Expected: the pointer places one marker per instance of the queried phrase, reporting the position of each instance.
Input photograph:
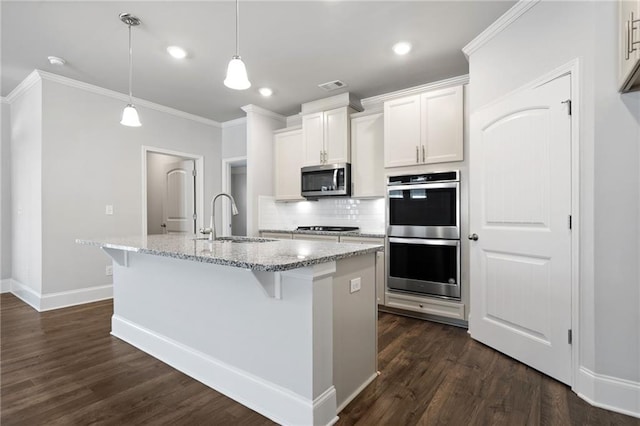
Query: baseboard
(63, 299)
(272, 401)
(357, 391)
(81, 296)
(610, 393)
(5, 285)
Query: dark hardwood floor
(64, 368)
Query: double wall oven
(423, 234)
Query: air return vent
(332, 85)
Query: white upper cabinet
(629, 51)
(326, 136)
(289, 153)
(424, 129)
(367, 162)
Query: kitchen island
(285, 327)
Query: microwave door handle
(335, 179)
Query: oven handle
(423, 186)
(454, 243)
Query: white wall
(538, 42)
(26, 189)
(5, 191)
(260, 126)
(234, 138)
(69, 140)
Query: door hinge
(194, 172)
(568, 102)
(570, 336)
(570, 222)
(195, 216)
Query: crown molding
(509, 17)
(236, 122)
(259, 110)
(375, 101)
(4, 100)
(24, 86)
(38, 75)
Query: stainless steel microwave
(328, 180)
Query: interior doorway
(234, 182)
(172, 192)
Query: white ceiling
(290, 46)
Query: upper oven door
(424, 210)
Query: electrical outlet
(108, 270)
(356, 284)
(108, 209)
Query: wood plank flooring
(63, 367)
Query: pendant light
(130, 114)
(236, 71)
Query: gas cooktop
(328, 228)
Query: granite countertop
(268, 255)
(363, 234)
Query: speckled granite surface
(270, 255)
(346, 234)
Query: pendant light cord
(237, 28)
(130, 66)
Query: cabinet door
(289, 153)
(336, 136)
(367, 160)
(442, 125)
(313, 138)
(629, 59)
(402, 131)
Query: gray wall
(538, 42)
(89, 161)
(234, 139)
(5, 191)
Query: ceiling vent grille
(332, 85)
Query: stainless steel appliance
(326, 180)
(423, 234)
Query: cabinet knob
(417, 154)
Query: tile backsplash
(367, 214)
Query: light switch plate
(356, 284)
(108, 209)
(108, 270)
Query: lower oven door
(425, 267)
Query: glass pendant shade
(237, 75)
(130, 116)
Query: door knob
(473, 237)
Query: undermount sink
(238, 239)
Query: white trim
(199, 159)
(5, 285)
(273, 401)
(265, 112)
(508, 18)
(24, 86)
(38, 75)
(4, 100)
(81, 296)
(236, 122)
(26, 294)
(374, 101)
(227, 163)
(610, 393)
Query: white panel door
(402, 132)
(520, 205)
(442, 129)
(336, 136)
(178, 203)
(313, 138)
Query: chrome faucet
(212, 226)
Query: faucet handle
(205, 231)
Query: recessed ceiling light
(265, 91)
(402, 48)
(177, 52)
(54, 60)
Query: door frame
(199, 165)
(227, 164)
(571, 68)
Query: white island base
(296, 346)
